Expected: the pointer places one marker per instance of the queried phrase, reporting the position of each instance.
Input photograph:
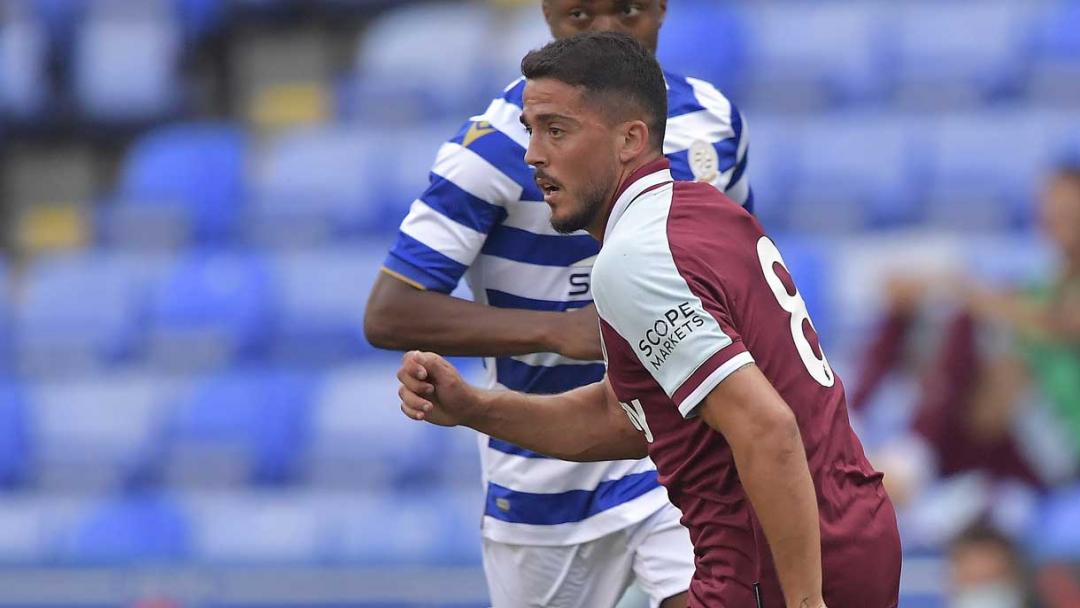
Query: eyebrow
(548, 117)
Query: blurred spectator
(986, 571)
(1002, 357)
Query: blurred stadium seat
(320, 299)
(212, 310)
(956, 53)
(259, 527)
(852, 173)
(722, 63)
(413, 527)
(135, 529)
(361, 438)
(194, 386)
(81, 310)
(316, 184)
(179, 183)
(16, 451)
(395, 77)
(126, 64)
(93, 434)
(984, 167)
(1055, 75)
(247, 427)
(24, 81)
(813, 55)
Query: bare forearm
(777, 479)
(400, 317)
(580, 425)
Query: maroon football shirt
(689, 289)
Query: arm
(585, 424)
(771, 461)
(400, 316)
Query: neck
(596, 230)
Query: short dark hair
(608, 65)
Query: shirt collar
(644, 178)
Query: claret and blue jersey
(483, 218)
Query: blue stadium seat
(360, 437)
(213, 309)
(1055, 534)
(239, 428)
(61, 19)
(24, 80)
(126, 66)
(320, 297)
(259, 528)
(813, 55)
(97, 433)
(32, 526)
(411, 154)
(82, 310)
(178, 183)
(136, 529)
(314, 184)
(396, 77)
(687, 25)
(852, 172)
(420, 526)
(201, 18)
(1055, 75)
(517, 31)
(16, 450)
(984, 169)
(959, 52)
(773, 140)
(7, 315)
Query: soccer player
(714, 368)
(556, 534)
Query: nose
(607, 23)
(533, 155)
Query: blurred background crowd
(196, 195)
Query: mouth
(547, 186)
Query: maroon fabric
(714, 245)
(946, 400)
(880, 358)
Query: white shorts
(656, 553)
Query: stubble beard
(593, 199)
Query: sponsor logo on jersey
(667, 332)
(476, 131)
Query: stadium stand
(190, 388)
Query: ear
(634, 140)
(661, 7)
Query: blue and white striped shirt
(483, 217)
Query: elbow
(778, 432)
(380, 328)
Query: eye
(632, 10)
(578, 14)
(555, 132)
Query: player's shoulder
(706, 224)
(687, 95)
(495, 135)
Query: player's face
(574, 151)
(1061, 215)
(639, 18)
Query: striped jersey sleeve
(707, 138)
(476, 174)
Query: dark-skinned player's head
(595, 106)
(639, 18)
(1060, 208)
